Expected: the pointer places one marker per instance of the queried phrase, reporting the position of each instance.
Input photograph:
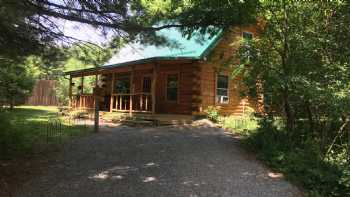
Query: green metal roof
(196, 47)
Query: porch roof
(195, 48)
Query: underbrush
(240, 125)
(302, 156)
(301, 160)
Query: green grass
(240, 125)
(114, 116)
(25, 127)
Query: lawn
(26, 127)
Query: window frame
(178, 87)
(217, 100)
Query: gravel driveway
(165, 161)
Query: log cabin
(185, 79)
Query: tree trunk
(288, 111)
(310, 117)
(12, 104)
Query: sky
(83, 32)
(80, 31)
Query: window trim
(178, 87)
(216, 89)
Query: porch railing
(137, 102)
(85, 101)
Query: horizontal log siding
(209, 69)
(185, 92)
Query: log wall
(186, 74)
(209, 69)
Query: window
(122, 85)
(247, 36)
(222, 89)
(147, 84)
(172, 87)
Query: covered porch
(123, 89)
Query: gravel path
(165, 161)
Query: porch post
(70, 91)
(96, 105)
(96, 80)
(82, 85)
(153, 94)
(81, 91)
(112, 91)
(131, 90)
(96, 84)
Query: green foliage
(302, 64)
(81, 56)
(212, 113)
(47, 65)
(18, 35)
(32, 27)
(300, 160)
(89, 54)
(240, 125)
(200, 15)
(16, 82)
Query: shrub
(300, 160)
(241, 124)
(212, 113)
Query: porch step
(147, 119)
(155, 121)
(166, 119)
(138, 122)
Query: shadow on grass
(26, 129)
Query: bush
(241, 124)
(212, 113)
(300, 160)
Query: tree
(297, 57)
(81, 56)
(301, 58)
(30, 26)
(16, 83)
